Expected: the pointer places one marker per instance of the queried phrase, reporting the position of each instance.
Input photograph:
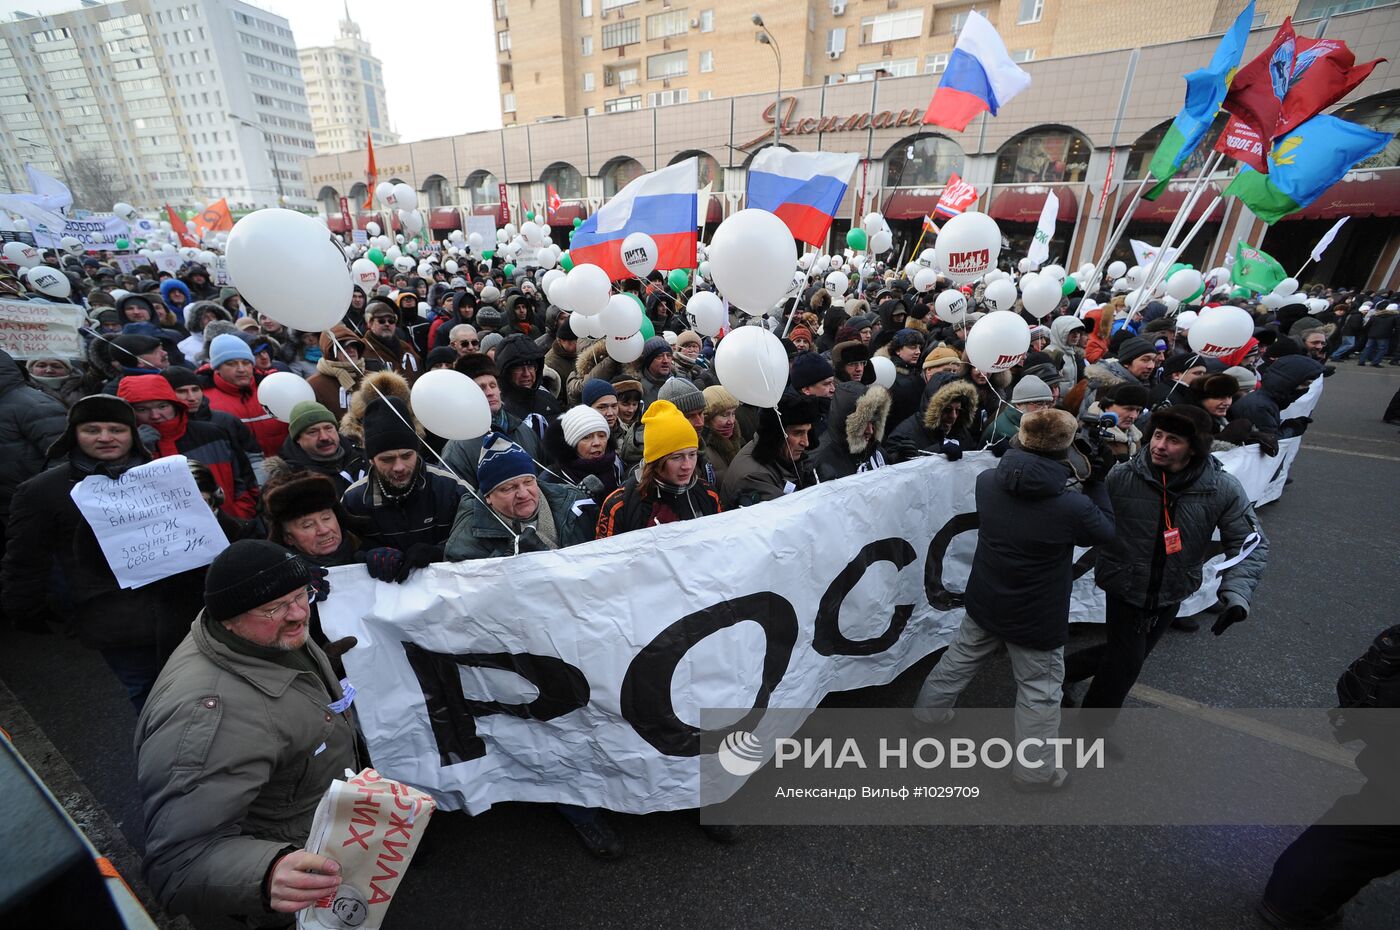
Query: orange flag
(371, 174)
(215, 218)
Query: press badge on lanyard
(1171, 536)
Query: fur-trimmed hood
(1107, 371)
(1001, 380)
(855, 406)
(352, 425)
(958, 389)
(594, 362)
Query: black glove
(338, 648)
(383, 563)
(418, 555)
(952, 449)
(1236, 432)
(1228, 617)
(1267, 442)
(320, 584)
(999, 447)
(530, 541)
(1299, 425)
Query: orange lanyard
(1166, 514)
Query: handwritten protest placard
(370, 825)
(151, 522)
(34, 329)
(218, 268)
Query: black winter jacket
(923, 431)
(517, 350)
(1282, 383)
(423, 514)
(853, 407)
(30, 421)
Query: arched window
(1045, 154)
(1147, 144)
(617, 174)
(710, 170)
(437, 191)
(1382, 113)
(924, 160)
(330, 200)
(482, 189)
(359, 193)
(566, 180)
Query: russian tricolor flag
(804, 189)
(661, 204)
(980, 77)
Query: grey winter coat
(30, 421)
(1202, 498)
(233, 754)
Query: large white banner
(95, 233)
(579, 675)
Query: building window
(1023, 54)
(586, 46)
(836, 41)
(707, 62)
(936, 64)
(707, 95)
(503, 40)
(707, 20)
(627, 32)
(621, 75)
(902, 67)
(587, 80)
(508, 103)
(585, 8)
(671, 64)
(1030, 12)
(607, 5)
(664, 98)
(500, 9)
(960, 20)
(922, 161)
(590, 111)
(507, 73)
(622, 104)
(905, 24)
(662, 25)
(1055, 156)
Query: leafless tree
(98, 183)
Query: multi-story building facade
(155, 101)
(345, 90)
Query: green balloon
(376, 256)
(857, 239)
(678, 279)
(509, 269)
(577, 222)
(530, 215)
(566, 261)
(1241, 292)
(1069, 287)
(123, 244)
(648, 330)
(488, 254)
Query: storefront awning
(445, 218)
(1165, 208)
(715, 214)
(565, 214)
(1023, 203)
(337, 223)
(912, 203)
(1361, 193)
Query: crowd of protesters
(1105, 430)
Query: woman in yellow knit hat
(670, 487)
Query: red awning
(364, 219)
(337, 223)
(1165, 208)
(566, 213)
(913, 203)
(1361, 193)
(444, 218)
(715, 214)
(1022, 204)
(485, 209)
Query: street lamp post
(272, 151)
(766, 37)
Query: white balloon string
(453, 472)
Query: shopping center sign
(858, 122)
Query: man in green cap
(314, 444)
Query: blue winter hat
(595, 388)
(501, 460)
(228, 348)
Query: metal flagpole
(1195, 229)
(1118, 230)
(1175, 229)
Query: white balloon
(926, 279)
(928, 258)
(1184, 283)
(950, 306)
(704, 269)
(1115, 270)
(838, 261)
(837, 282)
(456, 236)
(450, 404)
(967, 247)
(1025, 265)
(392, 253)
(1085, 270)
(384, 193)
(22, 254)
(1286, 287)
(708, 312)
(545, 259)
(125, 211)
(450, 266)
(585, 327)
(425, 269)
(1055, 271)
(626, 350)
(511, 230)
(372, 229)
(1134, 276)
(280, 391)
(1040, 295)
(752, 256)
(1271, 301)
(551, 277)
(621, 317)
(884, 371)
(403, 263)
(1221, 330)
(71, 244)
(821, 264)
(589, 289)
(752, 364)
(1001, 295)
(1317, 305)
(872, 223)
(48, 281)
(998, 341)
(400, 239)
(639, 254)
(1185, 320)
(286, 265)
(412, 220)
(881, 242)
(365, 273)
(405, 198)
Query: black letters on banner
(646, 688)
(563, 688)
(939, 597)
(827, 638)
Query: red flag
(552, 203)
(958, 195)
(177, 226)
(1324, 71)
(371, 174)
(1242, 142)
(1258, 88)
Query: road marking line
(1352, 438)
(1364, 455)
(1319, 749)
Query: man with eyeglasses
(244, 730)
(464, 339)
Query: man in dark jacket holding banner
(1019, 589)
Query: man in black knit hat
(245, 729)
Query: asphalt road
(1329, 588)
